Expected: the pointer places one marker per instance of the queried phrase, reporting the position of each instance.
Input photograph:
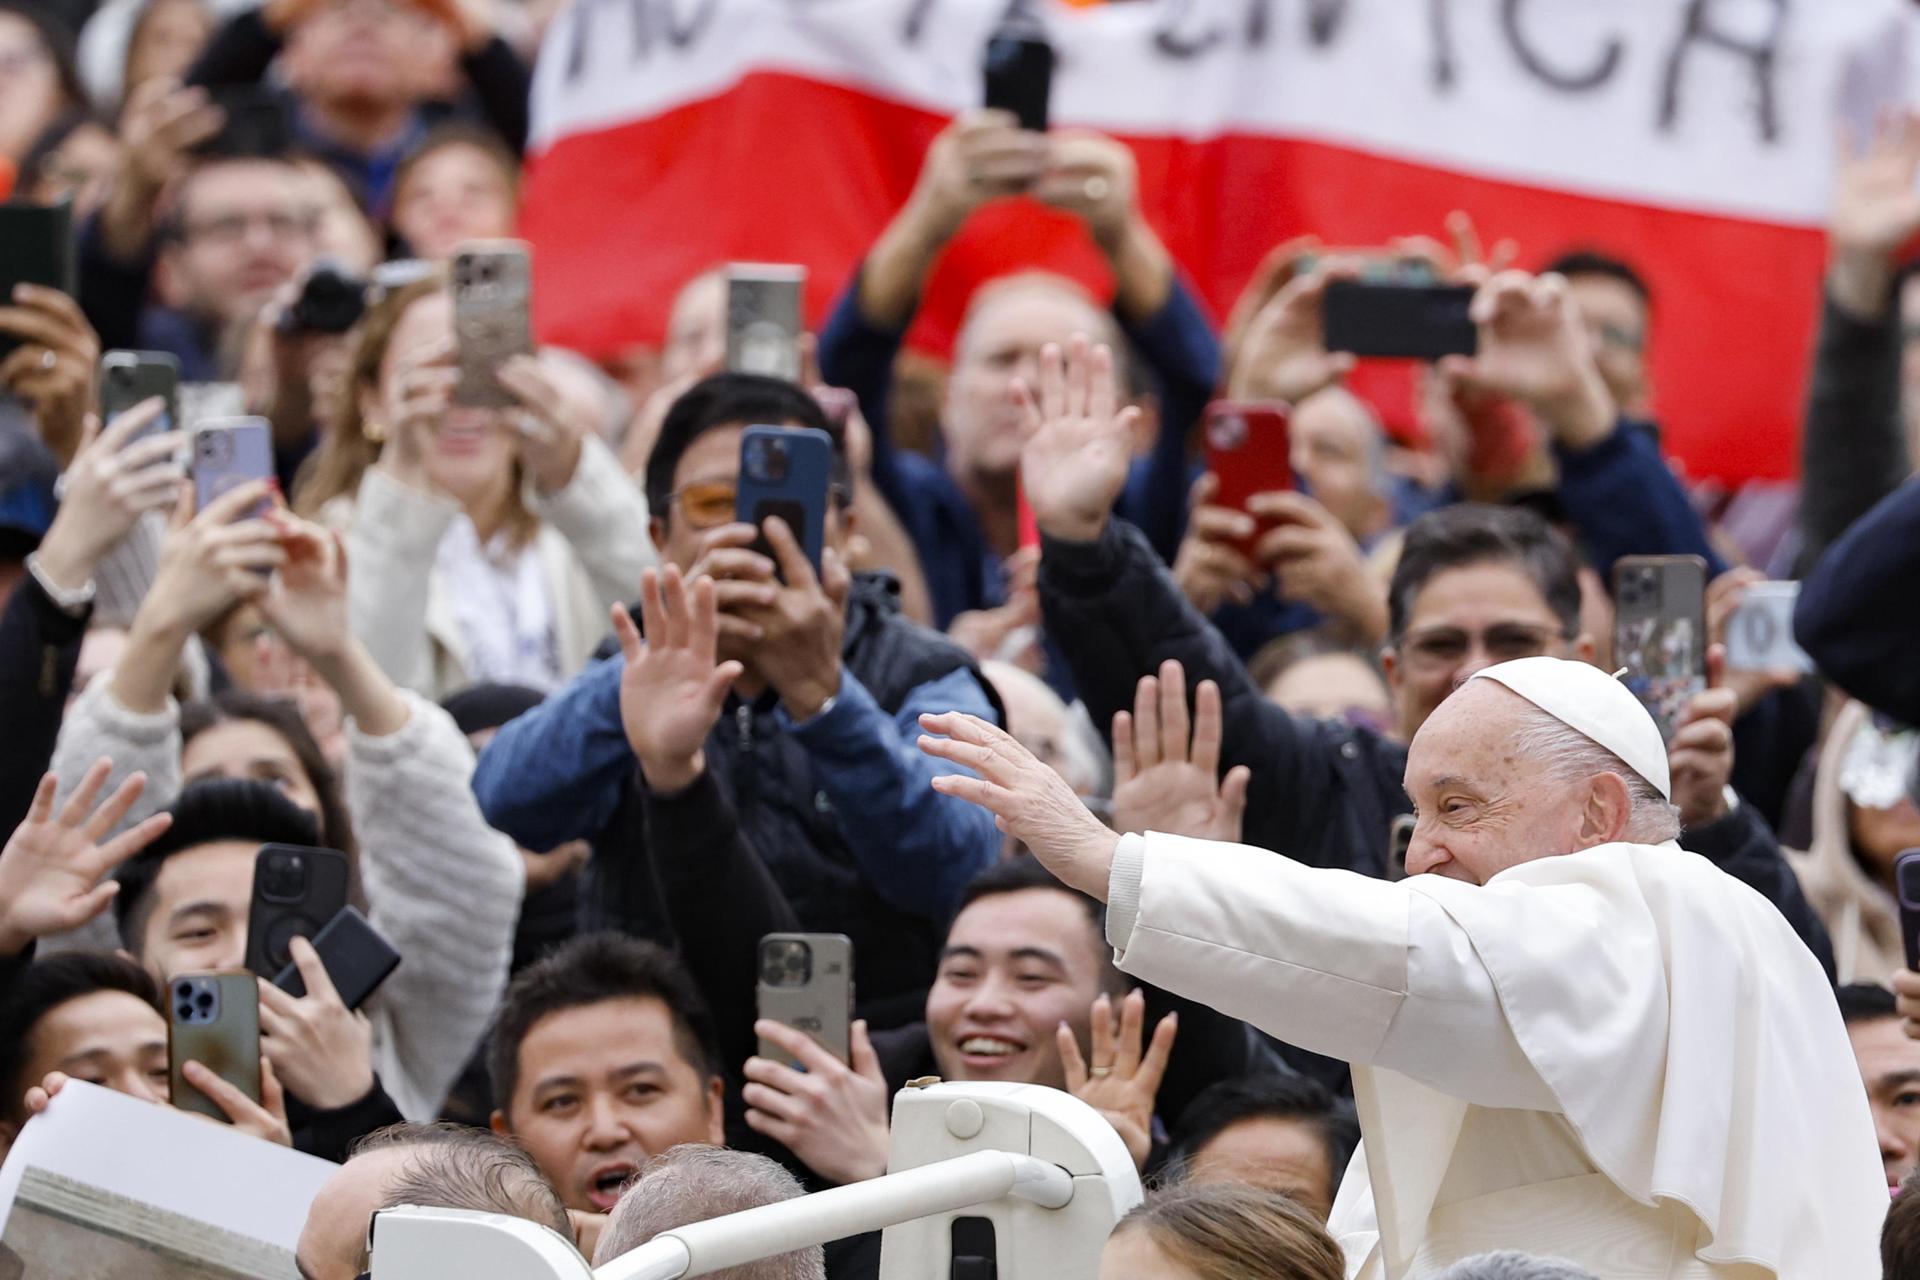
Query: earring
(374, 430)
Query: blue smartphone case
(786, 472)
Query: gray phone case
(806, 982)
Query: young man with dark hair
(1283, 1133)
(89, 1015)
(804, 749)
(602, 1056)
(437, 1166)
(1890, 1070)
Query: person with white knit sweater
(439, 884)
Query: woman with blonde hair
(487, 544)
(1220, 1232)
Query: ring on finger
(48, 359)
(1099, 1072)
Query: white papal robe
(1623, 1057)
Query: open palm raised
(672, 689)
(1078, 440)
(1161, 782)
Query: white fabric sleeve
(392, 541)
(1341, 964)
(1123, 889)
(603, 516)
(443, 887)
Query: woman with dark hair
(38, 83)
(488, 544)
(438, 883)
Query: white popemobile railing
(1013, 1182)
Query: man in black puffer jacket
(812, 757)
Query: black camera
(331, 301)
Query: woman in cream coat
(486, 544)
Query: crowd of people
(585, 737)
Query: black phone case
(1019, 78)
(356, 957)
(36, 247)
(272, 925)
(1406, 321)
(1906, 866)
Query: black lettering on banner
(1571, 81)
(1441, 31)
(1259, 15)
(648, 20)
(1170, 41)
(1762, 60)
(1324, 20)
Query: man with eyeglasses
(811, 757)
(1474, 586)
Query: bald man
(437, 1166)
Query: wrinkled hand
(1876, 210)
(1208, 566)
(833, 1115)
(1028, 800)
(798, 650)
(1283, 354)
(1314, 559)
(983, 155)
(1161, 782)
(1078, 441)
(1122, 1081)
(1093, 177)
(306, 603)
(1533, 348)
(109, 486)
(53, 368)
(265, 1119)
(1700, 756)
(552, 425)
(53, 870)
(672, 687)
(320, 1048)
(212, 561)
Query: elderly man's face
(1002, 341)
(1480, 806)
(1333, 440)
(333, 1244)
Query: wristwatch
(72, 601)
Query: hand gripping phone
(213, 1019)
(492, 294)
(129, 378)
(806, 982)
(357, 959)
(1660, 631)
(1248, 452)
(786, 472)
(296, 891)
(36, 247)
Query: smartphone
(1906, 883)
(764, 319)
(492, 293)
(806, 982)
(1760, 630)
(129, 378)
(227, 453)
(257, 123)
(296, 890)
(1660, 631)
(1019, 75)
(356, 957)
(786, 472)
(1248, 452)
(213, 1019)
(36, 247)
(1411, 321)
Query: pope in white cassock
(1568, 1036)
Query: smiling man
(603, 1056)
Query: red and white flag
(1695, 138)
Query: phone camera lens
(184, 1013)
(204, 999)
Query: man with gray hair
(1508, 1265)
(692, 1183)
(435, 1166)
